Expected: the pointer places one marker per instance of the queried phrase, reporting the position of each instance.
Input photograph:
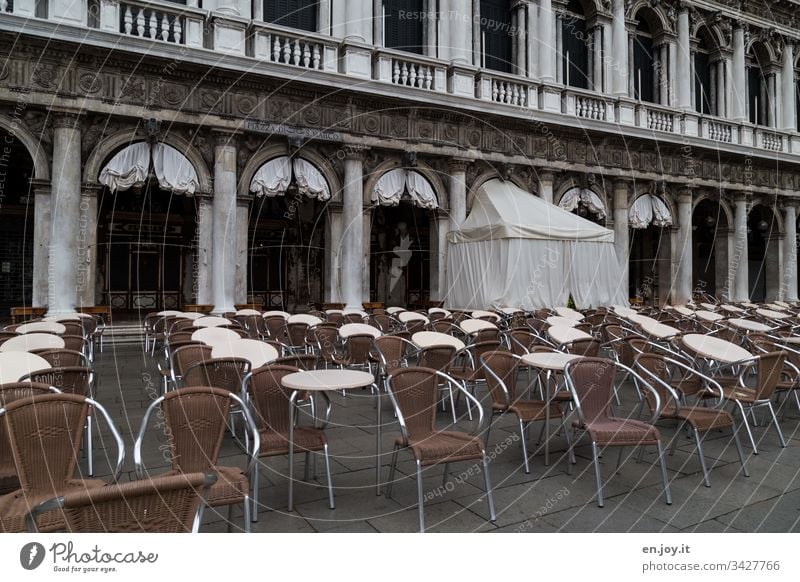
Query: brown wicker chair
(470, 373)
(44, 433)
(226, 373)
(501, 368)
(591, 382)
(7, 335)
(9, 393)
(77, 343)
(180, 336)
(167, 504)
(182, 358)
(789, 384)
(195, 419)
(182, 324)
(660, 372)
(327, 337)
(414, 394)
(270, 400)
(59, 358)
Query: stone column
(352, 254)
(597, 68)
(521, 40)
(438, 241)
(365, 253)
(460, 25)
(444, 30)
(87, 246)
(789, 281)
(430, 28)
(458, 193)
(532, 41)
(789, 121)
(772, 264)
(42, 228)
(771, 104)
(720, 104)
(338, 18)
(225, 244)
(621, 233)
(333, 245)
(685, 81)
(682, 291)
(377, 23)
(66, 201)
(739, 87)
(323, 15)
(547, 41)
(741, 287)
(664, 79)
(242, 228)
(607, 58)
(558, 53)
(619, 49)
(358, 20)
(201, 271)
(546, 186)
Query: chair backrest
(166, 504)
(196, 418)
(73, 328)
(591, 381)
(357, 348)
(181, 325)
(181, 336)
(437, 357)
(392, 350)
(502, 372)
(226, 373)
(327, 340)
(537, 325)
(184, 357)
(486, 335)
(478, 349)
(382, 321)
(68, 379)
(63, 357)
(655, 366)
(299, 361)
(253, 325)
(336, 319)
(270, 399)
(274, 325)
(44, 434)
(770, 367)
(415, 325)
(415, 392)
(353, 318)
(75, 342)
(296, 333)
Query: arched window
(575, 46)
(300, 14)
(497, 35)
(644, 61)
(760, 86)
(402, 29)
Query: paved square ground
(547, 499)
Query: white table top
(349, 329)
(282, 314)
(15, 365)
(781, 304)
(549, 360)
(309, 320)
(483, 313)
(256, 352)
(715, 348)
(32, 341)
(510, 310)
(355, 312)
(731, 308)
(749, 324)
(57, 318)
(433, 310)
(775, 306)
(211, 321)
(640, 319)
(168, 312)
(559, 320)
(769, 313)
(426, 339)
(563, 334)
(475, 325)
(569, 313)
(623, 311)
(322, 380)
(406, 316)
(659, 330)
(750, 305)
(683, 310)
(41, 326)
(215, 335)
(791, 340)
(708, 315)
(709, 306)
(393, 310)
(248, 312)
(192, 315)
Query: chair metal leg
(89, 445)
(328, 475)
(306, 469)
(776, 425)
(596, 457)
(524, 446)
(739, 449)
(488, 481)
(663, 462)
(570, 452)
(619, 459)
(699, 442)
(419, 498)
(254, 498)
(747, 427)
(392, 466)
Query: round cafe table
(42, 327)
(394, 310)
(731, 308)
(569, 313)
(276, 313)
(210, 321)
(32, 341)
(349, 329)
(639, 319)
(406, 316)
(708, 315)
(561, 320)
(771, 314)
(472, 326)
(749, 325)
(709, 306)
(781, 304)
(483, 313)
(15, 365)
(659, 330)
(624, 311)
(325, 381)
(309, 320)
(256, 352)
(684, 310)
(215, 335)
(551, 363)
(563, 334)
(714, 348)
(427, 339)
(191, 315)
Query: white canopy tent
(517, 250)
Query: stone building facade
(673, 123)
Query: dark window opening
(300, 14)
(403, 25)
(496, 32)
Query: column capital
(787, 203)
(41, 186)
(90, 189)
(546, 175)
(740, 197)
(685, 191)
(68, 120)
(355, 152)
(224, 138)
(458, 164)
(620, 182)
(204, 197)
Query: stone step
(123, 334)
